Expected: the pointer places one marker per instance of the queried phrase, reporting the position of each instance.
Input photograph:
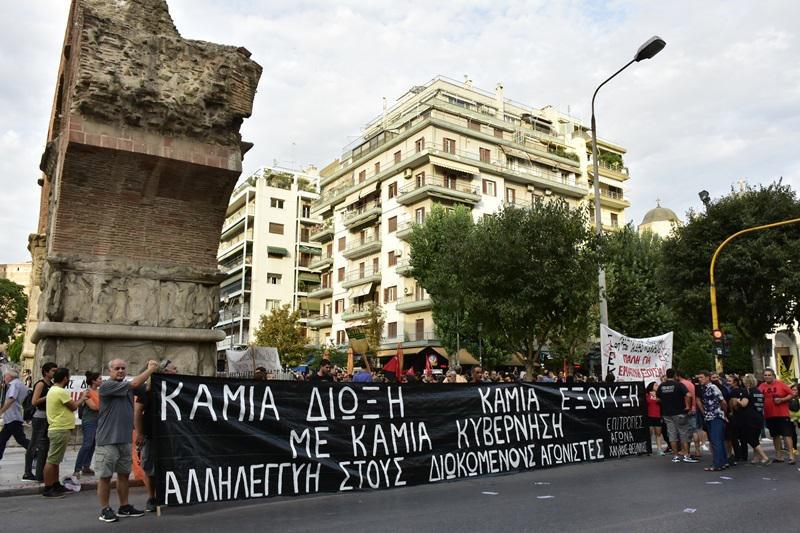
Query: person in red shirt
(654, 415)
(777, 396)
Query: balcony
(231, 266)
(234, 314)
(321, 232)
(235, 224)
(321, 292)
(356, 278)
(321, 262)
(414, 304)
(617, 172)
(404, 229)
(404, 268)
(356, 312)
(362, 248)
(226, 249)
(439, 187)
(360, 216)
(320, 321)
(411, 339)
(610, 198)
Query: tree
(464, 332)
(635, 297)
(281, 329)
(373, 328)
(15, 348)
(758, 283)
(578, 335)
(13, 309)
(332, 353)
(532, 270)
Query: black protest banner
(227, 439)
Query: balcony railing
(363, 247)
(230, 266)
(404, 267)
(413, 304)
(357, 277)
(321, 232)
(455, 189)
(230, 245)
(412, 336)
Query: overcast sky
(721, 102)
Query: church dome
(660, 214)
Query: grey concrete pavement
(643, 494)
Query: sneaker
(59, 488)
(689, 460)
(50, 493)
(108, 515)
(676, 459)
(29, 477)
(150, 506)
(704, 447)
(129, 510)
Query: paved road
(647, 494)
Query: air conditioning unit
(398, 253)
(407, 173)
(548, 192)
(407, 291)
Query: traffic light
(718, 348)
(727, 340)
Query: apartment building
(266, 251)
(442, 143)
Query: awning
(513, 152)
(308, 276)
(358, 292)
(310, 250)
(311, 305)
(277, 250)
(460, 167)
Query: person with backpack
(88, 413)
(11, 410)
(40, 444)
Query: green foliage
(561, 152)
(373, 328)
(636, 301)
(281, 329)
(525, 275)
(471, 338)
(333, 353)
(692, 352)
(13, 309)
(611, 159)
(757, 280)
(15, 348)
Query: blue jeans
(87, 448)
(716, 436)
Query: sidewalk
(12, 467)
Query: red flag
(391, 365)
(410, 372)
(428, 365)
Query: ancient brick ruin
(142, 155)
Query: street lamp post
(650, 48)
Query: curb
(36, 488)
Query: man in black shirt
(676, 402)
(324, 372)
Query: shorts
(59, 438)
(779, 426)
(654, 421)
(694, 422)
(678, 428)
(146, 458)
(111, 458)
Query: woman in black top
(746, 404)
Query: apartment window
(420, 144)
(419, 329)
(340, 274)
(274, 279)
(420, 179)
(390, 294)
(392, 190)
(474, 125)
(391, 330)
(306, 211)
(377, 167)
(450, 182)
(362, 269)
(304, 234)
(276, 228)
(419, 215)
(329, 249)
(375, 265)
(489, 188)
(614, 220)
(511, 195)
(362, 236)
(419, 292)
(339, 305)
(277, 203)
(273, 304)
(397, 157)
(485, 155)
(342, 243)
(326, 309)
(392, 259)
(392, 224)
(362, 176)
(341, 337)
(498, 133)
(449, 145)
